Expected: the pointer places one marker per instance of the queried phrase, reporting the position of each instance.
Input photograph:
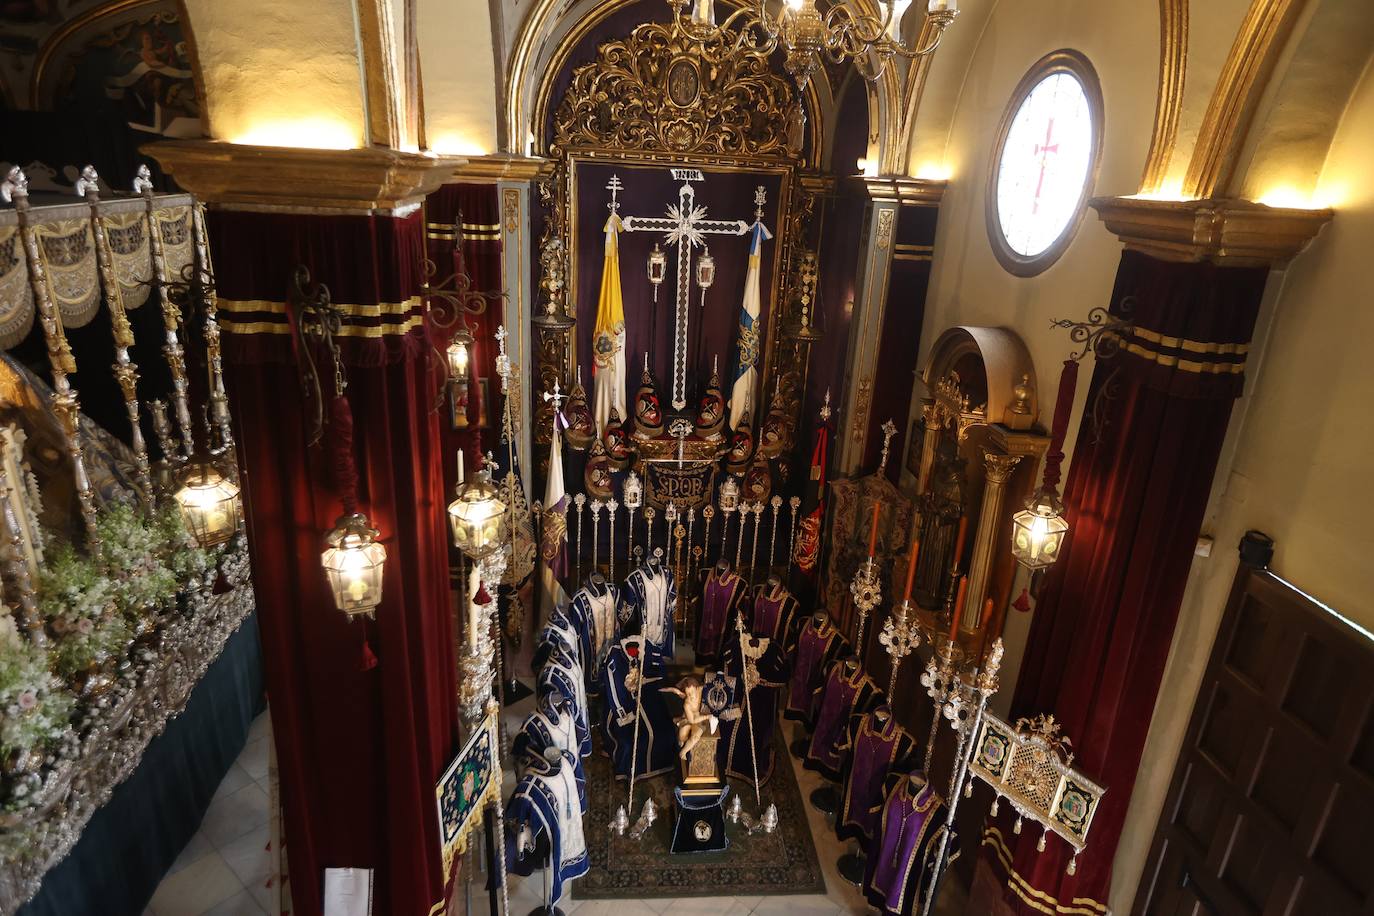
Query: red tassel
(369, 657)
(345, 471)
(1022, 602)
(483, 597)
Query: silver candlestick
(899, 637)
(867, 590)
(941, 680)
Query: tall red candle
(959, 540)
(987, 613)
(958, 608)
(911, 567)
(873, 534)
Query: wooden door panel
(1272, 800)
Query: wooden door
(1271, 809)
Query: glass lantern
(209, 504)
(706, 271)
(703, 14)
(729, 495)
(658, 268)
(633, 495)
(457, 355)
(1038, 530)
(477, 517)
(353, 561)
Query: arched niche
(979, 457)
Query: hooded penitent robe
(817, 646)
(846, 692)
(759, 718)
(773, 615)
(655, 748)
(593, 615)
(721, 598)
(899, 868)
(544, 824)
(647, 603)
(872, 751)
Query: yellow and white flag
(608, 340)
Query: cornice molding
(1233, 233)
(304, 180)
(499, 167)
(903, 189)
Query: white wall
(280, 74)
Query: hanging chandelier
(808, 36)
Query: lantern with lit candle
(477, 517)
(658, 267)
(729, 496)
(353, 561)
(1038, 530)
(209, 503)
(458, 353)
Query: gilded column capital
(997, 467)
(245, 177)
(1229, 232)
(499, 167)
(904, 189)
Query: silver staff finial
(615, 186)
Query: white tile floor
(223, 871)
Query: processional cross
(685, 226)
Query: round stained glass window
(1046, 159)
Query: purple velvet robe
(816, 647)
(772, 615)
(898, 872)
(873, 751)
(719, 600)
(845, 693)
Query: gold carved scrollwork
(655, 91)
(952, 408)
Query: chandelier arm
(913, 53)
(868, 29)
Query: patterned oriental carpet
(783, 862)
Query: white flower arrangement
(37, 710)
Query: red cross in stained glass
(1043, 150)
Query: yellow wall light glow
(1291, 198)
(455, 144)
(933, 171)
(301, 133)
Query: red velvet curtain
(358, 750)
(1135, 497)
(477, 209)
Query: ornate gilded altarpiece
(647, 104)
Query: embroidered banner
(131, 255)
(469, 784)
(687, 486)
(16, 296)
